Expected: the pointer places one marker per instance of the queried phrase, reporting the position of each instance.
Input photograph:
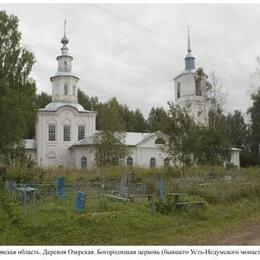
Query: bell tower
(191, 88)
(64, 82)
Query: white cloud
(117, 58)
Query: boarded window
(52, 133)
(81, 132)
(66, 133)
(83, 162)
(66, 90)
(152, 162)
(178, 90)
(198, 90)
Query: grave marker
(61, 187)
(80, 201)
(162, 189)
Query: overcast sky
(134, 51)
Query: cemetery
(120, 205)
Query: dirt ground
(248, 234)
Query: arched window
(198, 90)
(166, 162)
(178, 90)
(152, 162)
(74, 91)
(129, 161)
(83, 162)
(66, 90)
(159, 140)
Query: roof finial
(65, 23)
(64, 39)
(189, 49)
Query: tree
(17, 90)
(139, 122)
(254, 112)
(213, 139)
(110, 140)
(87, 102)
(156, 119)
(180, 131)
(43, 99)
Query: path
(246, 235)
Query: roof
(131, 139)
(235, 149)
(29, 144)
(134, 138)
(54, 106)
(190, 71)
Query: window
(129, 161)
(83, 162)
(74, 91)
(52, 136)
(66, 90)
(81, 132)
(66, 133)
(178, 90)
(159, 140)
(166, 162)
(152, 162)
(198, 90)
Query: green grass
(119, 223)
(110, 222)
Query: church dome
(54, 106)
(64, 40)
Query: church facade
(65, 130)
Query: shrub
(20, 174)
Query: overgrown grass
(109, 222)
(121, 223)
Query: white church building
(65, 130)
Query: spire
(189, 60)
(64, 39)
(189, 49)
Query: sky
(133, 51)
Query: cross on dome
(189, 49)
(64, 39)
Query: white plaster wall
(58, 88)
(55, 153)
(143, 152)
(79, 151)
(197, 105)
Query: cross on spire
(65, 23)
(189, 49)
(64, 39)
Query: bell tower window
(178, 90)
(65, 65)
(198, 90)
(66, 90)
